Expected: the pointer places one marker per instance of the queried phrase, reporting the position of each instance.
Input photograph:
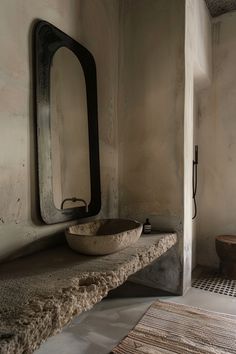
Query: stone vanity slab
(42, 292)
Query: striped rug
(174, 328)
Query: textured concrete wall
(198, 56)
(217, 137)
(95, 25)
(151, 104)
(202, 44)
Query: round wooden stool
(226, 250)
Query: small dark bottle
(147, 227)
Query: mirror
(67, 127)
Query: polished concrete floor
(100, 329)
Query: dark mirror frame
(46, 41)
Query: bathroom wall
(88, 21)
(198, 71)
(151, 109)
(217, 143)
(154, 74)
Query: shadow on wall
(36, 246)
(165, 273)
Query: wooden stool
(226, 250)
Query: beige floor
(100, 329)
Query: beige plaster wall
(198, 58)
(94, 23)
(202, 44)
(217, 142)
(151, 108)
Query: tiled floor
(210, 279)
(99, 330)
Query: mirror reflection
(69, 131)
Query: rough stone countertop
(41, 293)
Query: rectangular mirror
(67, 126)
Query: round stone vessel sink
(105, 236)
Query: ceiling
(219, 7)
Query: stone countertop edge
(23, 329)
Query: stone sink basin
(104, 236)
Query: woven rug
(174, 328)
